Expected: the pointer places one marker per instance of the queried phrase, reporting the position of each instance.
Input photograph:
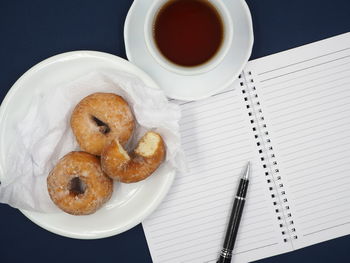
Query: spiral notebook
(289, 114)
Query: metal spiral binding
(267, 157)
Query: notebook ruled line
(215, 228)
(315, 113)
(323, 163)
(318, 199)
(295, 178)
(327, 228)
(185, 142)
(313, 66)
(303, 88)
(319, 177)
(221, 153)
(202, 248)
(300, 77)
(320, 190)
(204, 180)
(223, 214)
(319, 158)
(315, 212)
(200, 245)
(308, 121)
(187, 114)
(209, 117)
(334, 146)
(178, 229)
(214, 260)
(208, 233)
(320, 131)
(240, 252)
(223, 92)
(214, 148)
(203, 127)
(190, 105)
(312, 134)
(198, 211)
(325, 183)
(220, 160)
(198, 193)
(329, 221)
(211, 175)
(206, 203)
(303, 61)
(301, 103)
(312, 94)
(190, 208)
(311, 107)
(255, 248)
(211, 226)
(207, 169)
(259, 241)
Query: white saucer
(130, 204)
(193, 87)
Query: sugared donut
(99, 118)
(78, 185)
(140, 164)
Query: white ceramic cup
(167, 64)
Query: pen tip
(247, 171)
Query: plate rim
(234, 77)
(131, 68)
(106, 234)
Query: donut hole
(76, 186)
(103, 127)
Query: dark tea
(188, 32)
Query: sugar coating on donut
(100, 118)
(114, 158)
(77, 184)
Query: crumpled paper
(45, 135)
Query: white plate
(130, 204)
(193, 87)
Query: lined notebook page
(190, 224)
(305, 96)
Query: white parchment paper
(45, 135)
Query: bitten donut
(99, 118)
(141, 163)
(78, 185)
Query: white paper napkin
(45, 134)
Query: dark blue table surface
(31, 31)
